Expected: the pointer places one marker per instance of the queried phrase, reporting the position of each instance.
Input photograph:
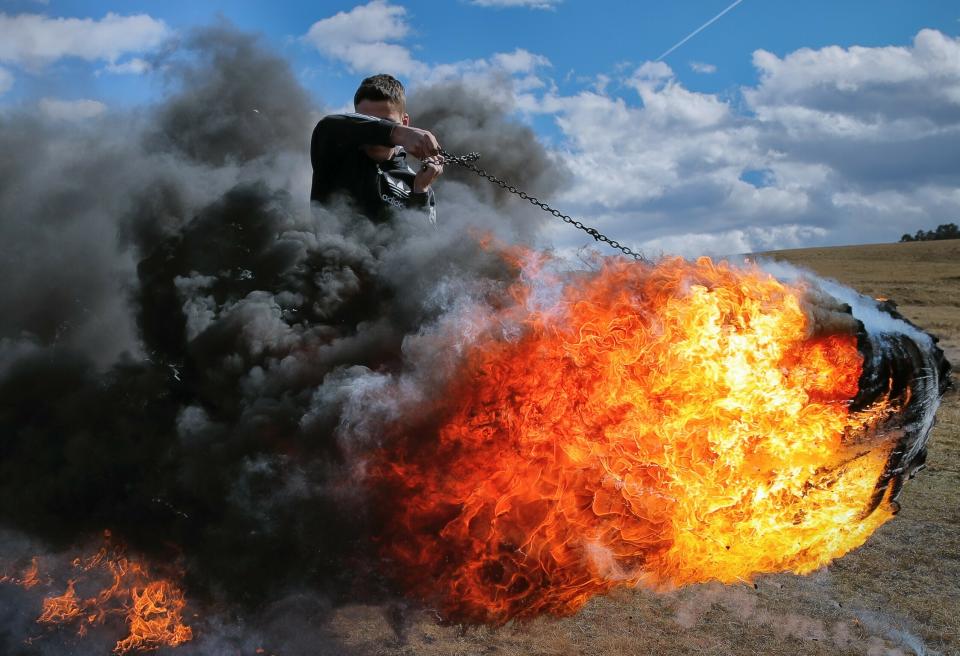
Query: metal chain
(466, 161)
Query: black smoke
(181, 332)
(467, 119)
(236, 102)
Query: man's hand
(430, 170)
(419, 143)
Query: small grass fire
(108, 586)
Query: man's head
(382, 91)
(381, 96)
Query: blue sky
(777, 175)
(584, 37)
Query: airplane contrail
(698, 30)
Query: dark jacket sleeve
(352, 131)
(338, 136)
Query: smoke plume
(181, 331)
(465, 119)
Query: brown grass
(899, 593)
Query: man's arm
(355, 130)
(340, 133)
(336, 139)
(350, 131)
(430, 169)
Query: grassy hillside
(900, 593)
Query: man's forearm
(354, 130)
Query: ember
(29, 578)
(655, 425)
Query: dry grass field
(898, 594)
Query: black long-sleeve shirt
(341, 165)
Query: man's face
(381, 109)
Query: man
(364, 154)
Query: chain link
(467, 162)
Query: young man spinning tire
(363, 155)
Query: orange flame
(152, 607)
(60, 609)
(154, 618)
(30, 577)
(656, 425)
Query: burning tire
(652, 425)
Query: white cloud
(856, 145)
(880, 118)
(889, 206)
(866, 89)
(34, 40)
(530, 4)
(933, 55)
(134, 66)
(519, 61)
(733, 242)
(502, 75)
(365, 38)
(71, 110)
(528, 83)
(6, 80)
(370, 39)
(667, 102)
(653, 72)
(701, 67)
(627, 156)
